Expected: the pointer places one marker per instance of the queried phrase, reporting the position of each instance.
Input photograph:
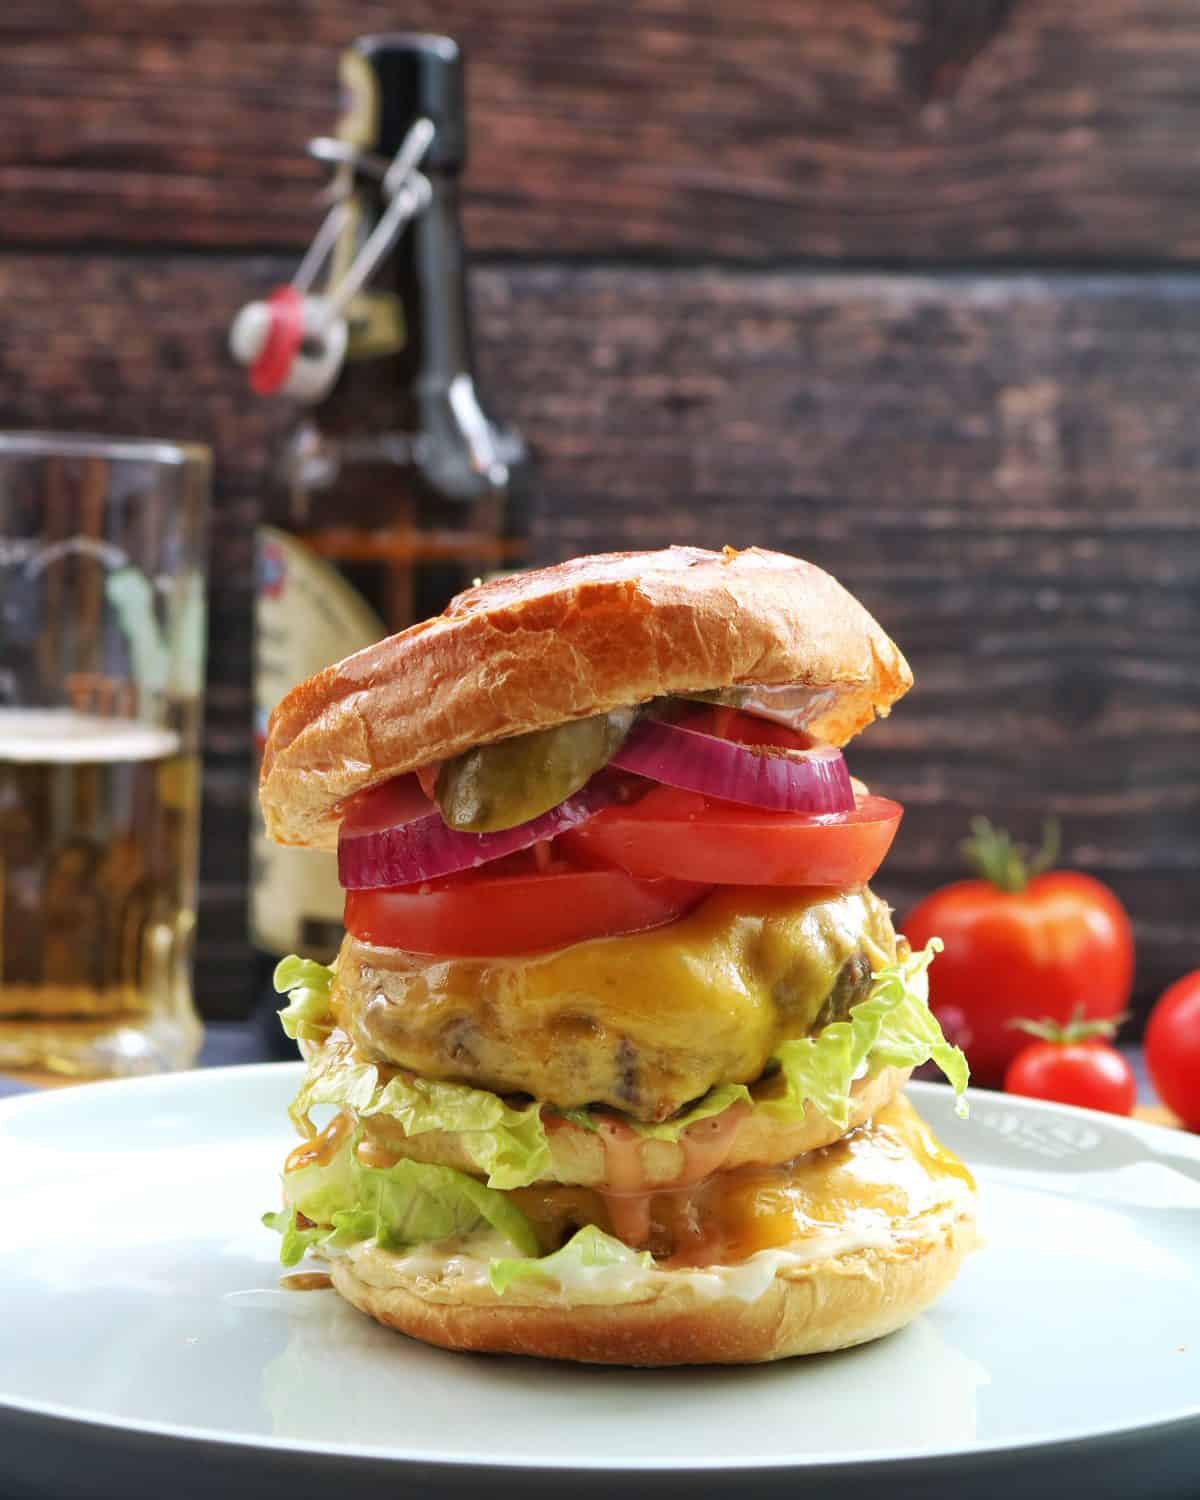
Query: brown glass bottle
(396, 490)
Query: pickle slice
(511, 781)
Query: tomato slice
(686, 836)
(511, 907)
(745, 729)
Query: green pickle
(497, 786)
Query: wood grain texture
(896, 130)
(1003, 468)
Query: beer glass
(102, 633)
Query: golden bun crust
(524, 653)
(577, 1155)
(830, 1304)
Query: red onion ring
(795, 781)
(396, 836)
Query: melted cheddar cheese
(644, 1023)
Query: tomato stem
(1010, 866)
(1077, 1028)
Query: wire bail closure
(295, 341)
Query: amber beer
(396, 489)
(97, 880)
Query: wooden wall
(905, 286)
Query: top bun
(535, 649)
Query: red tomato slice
(482, 914)
(744, 729)
(686, 836)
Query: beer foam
(61, 736)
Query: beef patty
(644, 1023)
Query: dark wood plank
(769, 130)
(1003, 468)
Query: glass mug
(102, 633)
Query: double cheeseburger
(615, 1044)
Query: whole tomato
(1073, 1064)
(1020, 942)
(1173, 1048)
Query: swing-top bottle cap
(391, 80)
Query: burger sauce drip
(321, 1150)
(707, 1144)
(705, 1147)
(626, 1201)
(306, 1281)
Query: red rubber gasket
(270, 369)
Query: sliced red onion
(419, 846)
(807, 781)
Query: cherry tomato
(1091, 1074)
(1173, 1048)
(687, 836)
(1062, 944)
(511, 907)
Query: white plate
(145, 1344)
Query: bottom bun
(810, 1308)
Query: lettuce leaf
(507, 1144)
(414, 1202)
(296, 1241)
(323, 1189)
(892, 1027)
(588, 1249)
(333, 1076)
(713, 1103)
(410, 1203)
(306, 983)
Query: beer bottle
(396, 489)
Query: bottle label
(306, 616)
(358, 124)
(375, 325)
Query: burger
(609, 1066)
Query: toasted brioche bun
(810, 1309)
(527, 652)
(577, 1155)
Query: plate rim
(1184, 1422)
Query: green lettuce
(410, 1203)
(323, 1189)
(306, 983)
(509, 1145)
(715, 1102)
(589, 1248)
(296, 1241)
(415, 1202)
(333, 1077)
(892, 1028)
